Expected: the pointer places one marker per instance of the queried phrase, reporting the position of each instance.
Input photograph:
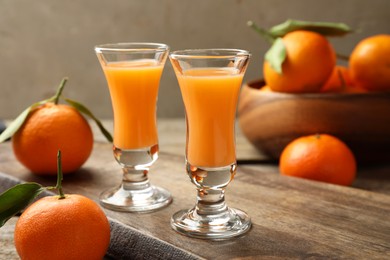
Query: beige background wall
(42, 41)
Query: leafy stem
(57, 96)
(20, 119)
(276, 55)
(83, 109)
(59, 176)
(267, 36)
(20, 196)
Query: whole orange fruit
(47, 129)
(310, 59)
(370, 63)
(71, 228)
(319, 157)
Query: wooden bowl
(270, 120)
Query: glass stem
(135, 179)
(211, 202)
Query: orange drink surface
(133, 88)
(210, 98)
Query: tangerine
(47, 129)
(310, 59)
(320, 157)
(74, 227)
(370, 63)
(339, 78)
(340, 81)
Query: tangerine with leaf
(48, 126)
(300, 58)
(64, 226)
(309, 61)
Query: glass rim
(212, 53)
(145, 47)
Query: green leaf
(17, 198)
(264, 33)
(19, 120)
(324, 28)
(276, 55)
(87, 112)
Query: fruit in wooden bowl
(270, 120)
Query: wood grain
(292, 218)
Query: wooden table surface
(292, 218)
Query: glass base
(151, 199)
(229, 224)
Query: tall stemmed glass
(210, 82)
(133, 72)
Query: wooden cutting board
(292, 218)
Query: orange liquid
(210, 98)
(133, 88)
